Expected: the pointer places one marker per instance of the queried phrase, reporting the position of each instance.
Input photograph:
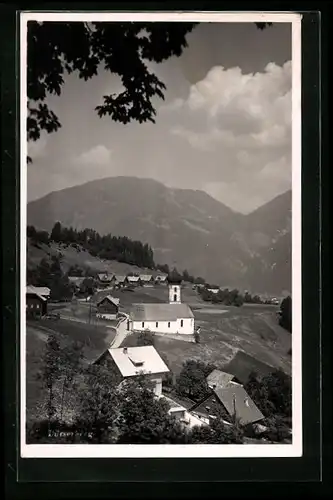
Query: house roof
(160, 312)
(105, 277)
(135, 360)
(218, 379)
(161, 277)
(40, 291)
(242, 365)
(133, 279)
(146, 277)
(111, 299)
(120, 278)
(173, 405)
(234, 397)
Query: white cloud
(98, 155)
(245, 122)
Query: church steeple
(174, 281)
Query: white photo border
(170, 451)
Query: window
(143, 324)
(156, 324)
(175, 289)
(37, 305)
(181, 322)
(169, 324)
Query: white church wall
(183, 326)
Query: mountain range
(186, 228)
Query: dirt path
(121, 334)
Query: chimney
(125, 350)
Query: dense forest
(108, 247)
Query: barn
(107, 308)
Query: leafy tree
(144, 418)
(286, 313)
(217, 433)
(191, 381)
(120, 48)
(51, 371)
(98, 407)
(271, 393)
(71, 359)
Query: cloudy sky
(224, 127)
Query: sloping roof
(242, 364)
(146, 277)
(126, 360)
(111, 299)
(160, 312)
(234, 397)
(120, 278)
(105, 277)
(133, 279)
(219, 379)
(38, 291)
(161, 277)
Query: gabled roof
(111, 299)
(120, 278)
(133, 279)
(160, 312)
(161, 277)
(38, 291)
(135, 360)
(238, 403)
(105, 277)
(146, 277)
(219, 379)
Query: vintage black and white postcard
(160, 235)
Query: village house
(146, 279)
(120, 280)
(107, 308)
(44, 291)
(133, 280)
(104, 280)
(218, 379)
(179, 409)
(36, 302)
(232, 402)
(173, 317)
(161, 279)
(129, 362)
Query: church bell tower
(174, 281)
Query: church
(172, 317)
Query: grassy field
(224, 330)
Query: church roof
(160, 312)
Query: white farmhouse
(129, 362)
(173, 317)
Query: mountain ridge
(224, 244)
